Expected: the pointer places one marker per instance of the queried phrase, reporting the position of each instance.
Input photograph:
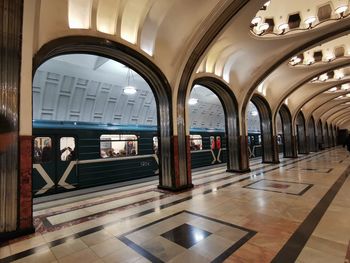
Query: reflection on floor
(298, 210)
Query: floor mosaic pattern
(294, 211)
(187, 237)
(278, 186)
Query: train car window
(118, 145)
(259, 138)
(218, 142)
(249, 140)
(196, 143)
(155, 145)
(67, 149)
(42, 151)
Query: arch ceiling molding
(322, 105)
(309, 91)
(295, 78)
(245, 61)
(165, 29)
(161, 29)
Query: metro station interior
(174, 131)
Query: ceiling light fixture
(340, 10)
(295, 60)
(308, 21)
(256, 20)
(192, 101)
(340, 76)
(333, 89)
(311, 61)
(330, 57)
(345, 86)
(129, 90)
(324, 77)
(283, 27)
(263, 27)
(254, 113)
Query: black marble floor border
(249, 186)
(219, 258)
(63, 240)
(295, 244)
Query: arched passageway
(254, 132)
(268, 140)
(331, 139)
(301, 134)
(320, 138)
(326, 135)
(312, 141)
(288, 140)
(279, 130)
(218, 95)
(109, 52)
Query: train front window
(67, 149)
(196, 143)
(42, 151)
(118, 145)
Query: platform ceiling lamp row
(262, 27)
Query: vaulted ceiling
(275, 48)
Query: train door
(44, 165)
(66, 163)
(54, 164)
(215, 145)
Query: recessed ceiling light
(333, 89)
(130, 90)
(192, 101)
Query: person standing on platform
(7, 135)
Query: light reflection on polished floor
(262, 216)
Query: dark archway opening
(268, 141)
(312, 135)
(288, 145)
(326, 136)
(301, 134)
(279, 130)
(320, 139)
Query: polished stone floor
(295, 211)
